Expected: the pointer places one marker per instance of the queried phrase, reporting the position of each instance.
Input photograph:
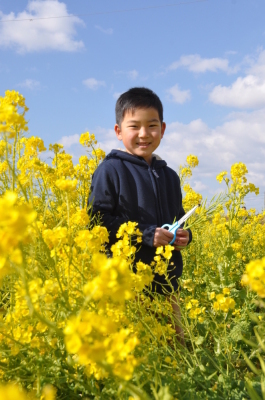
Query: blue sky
(205, 60)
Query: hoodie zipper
(155, 173)
(154, 176)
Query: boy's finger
(182, 232)
(181, 240)
(167, 233)
(161, 242)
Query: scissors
(173, 228)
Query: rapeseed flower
(254, 276)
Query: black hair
(137, 97)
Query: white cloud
(133, 74)
(93, 84)
(68, 141)
(31, 84)
(116, 95)
(198, 186)
(240, 138)
(108, 31)
(231, 52)
(195, 63)
(257, 64)
(177, 95)
(40, 34)
(247, 92)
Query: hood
(157, 163)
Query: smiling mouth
(143, 144)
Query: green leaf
(249, 342)
(236, 333)
(199, 340)
(250, 364)
(164, 394)
(251, 391)
(262, 363)
(217, 347)
(229, 252)
(236, 235)
(261, 342)
(208, 378)
(263, 386)
(242, 294)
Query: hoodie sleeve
(104, 199)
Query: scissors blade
(187, 215)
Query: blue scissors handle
(166, 226)
(173, 229)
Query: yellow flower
(114, 280)
(56, 148)
(255, 276)
(220, 298)
(253, 188)
(224, 303)
(55, 237)
(12, 113)
(73, 343)
(12, 392)
(66, 185)
(159, 250)
(186, 172)
(220, 177)
(192, 198)
(3, 167)
(188, 284)
(48, 393)
(87, 140)
(238, 170)
(192, 161)
(194, 313)
(168, 252)
(41, 327)
(216, 306)
(99, 154)
(228, 304)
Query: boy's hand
(182, 239)
(162, 237)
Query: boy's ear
(163, 128)
(118, 131)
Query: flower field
(75, 323)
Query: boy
(134, 185)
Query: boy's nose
(143, 132)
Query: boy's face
(141, 132)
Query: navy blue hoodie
(126, 188)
